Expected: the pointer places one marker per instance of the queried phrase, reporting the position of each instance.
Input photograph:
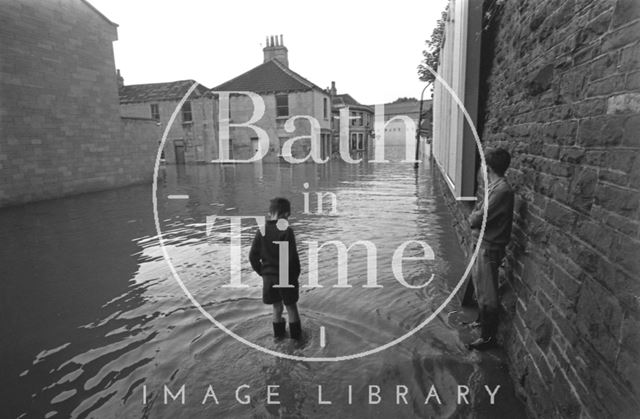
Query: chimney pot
(275, 49)
(119, 78)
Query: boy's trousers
(485, 281)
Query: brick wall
(563, 96)
(61, 131)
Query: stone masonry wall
(60, 126)
(563, 96)
(198, 135)
(306, 103)
(140, 145)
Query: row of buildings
(193, 137)
(70, 126)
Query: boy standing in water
(274, 256)
(497, 234)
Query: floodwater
(95, 325)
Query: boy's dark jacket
(265, 254)
(499, 215)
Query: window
(282, 105)
(325, 146)
(325, 108)
(360, 141)
(354, 141)
(361, 115)
(454, 147)
(155, 112)
(186, 112)
(353, 118)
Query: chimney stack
(333, 91)
(275, 50)
(120, 79)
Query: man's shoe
(279, 329)
(295, 330)
(481, 344)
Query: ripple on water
(141, 332)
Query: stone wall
(563, 96)
(61, 131)
(307, 103)
(198, 136)
(140, 141)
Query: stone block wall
(198, 136)
(140, 145)
(60, 126)
(563, 96)
(306, 103)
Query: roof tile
(271, 76)
(156, 92)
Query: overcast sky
(370, 49)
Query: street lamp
(415, 165)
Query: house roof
(92, 7)
(271, 76)
(346, 99)
(156, 92)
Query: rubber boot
(488, 327)
(295, 330)
(490, 324)
(280, 329)
(479, 319)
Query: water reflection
(93, 316)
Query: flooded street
(95, 325)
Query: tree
(405, 99)
(431, 55)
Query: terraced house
(191, 136)
(285, 94)
(359, 127)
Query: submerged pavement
(96, 325)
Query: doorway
(179, 151)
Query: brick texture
(563, 98)
(59, 109)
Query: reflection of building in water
(285, 94)
(191, 137)
(360, 121)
